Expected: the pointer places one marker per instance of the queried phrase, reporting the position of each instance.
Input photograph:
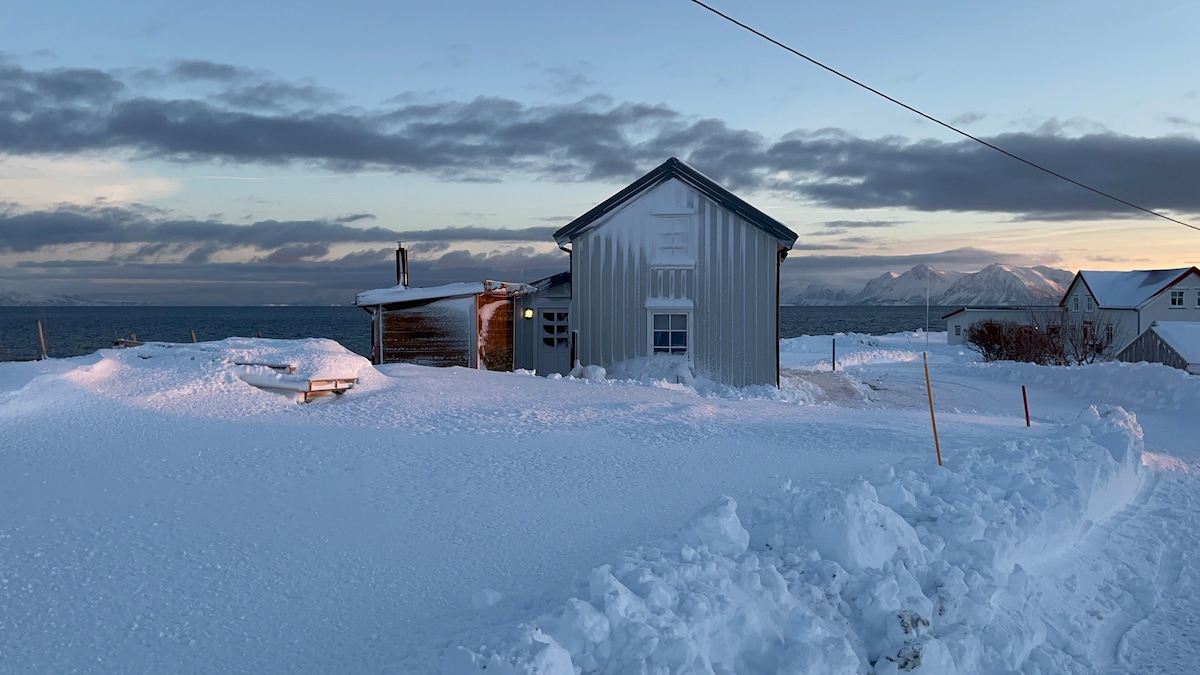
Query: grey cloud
(29, 231)
(292, 254)
(854, 224)
(301, 282)
(208, 70)
(967, 118)
(595, 138)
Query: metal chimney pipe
(401, 265)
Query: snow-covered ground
(159, 514)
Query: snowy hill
(996, 284)
(15, 298)
(1006, 285)
(908, 288)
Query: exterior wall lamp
(528, 314)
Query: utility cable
(935, 120)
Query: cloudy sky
(235, 153)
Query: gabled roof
(674, 168)
(1182, 336)
(1127, 290)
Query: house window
(957, 330)
(1177, 298)
(1089, 303)
(673, 242)
(1075, 303)
(670, 334)
(1108, 334)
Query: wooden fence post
(41, 341)
(932, 419)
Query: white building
(959, 322)
(675, 266)
(1124, 304)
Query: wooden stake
(193, 335)
(932, 419)
(834, 359)
(1025, 398)
(41, 341)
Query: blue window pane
(661, 338)
(678, 339)
(679, 322)
(662, 321)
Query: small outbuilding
(542, 329)
(1171, 343)
(462, 324)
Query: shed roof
(1127, 290)
(1182, 336)
(398, 294)
(676, 168)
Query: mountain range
(996, 284)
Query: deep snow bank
(920, 570)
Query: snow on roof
(1128, 290)
(398, 294)
(1182, 336)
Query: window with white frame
(957, 329)
(669, 334)
(1108, 333)
(1089, 303)
(1177, 298)
(1198, 298)
(673, 242)
(1075, 303)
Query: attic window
(1075, 303)
(1177, 298)
(1089, 303)
(673, 242)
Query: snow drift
(922, 569)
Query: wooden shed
(1172, 343)
(462, 324)
(675, 266)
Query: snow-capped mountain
(1008, 285)
(995, 284)
(909, 288)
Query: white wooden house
(675, 266)
(1120, 306)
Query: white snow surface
(1128, 290)
(159, 514)
(395, 294)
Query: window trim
(688, 331)
(1181, 297)
(674, 241)
(1074, 303)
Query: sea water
(74, 331)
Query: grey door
(554, 341)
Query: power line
(935, 120)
